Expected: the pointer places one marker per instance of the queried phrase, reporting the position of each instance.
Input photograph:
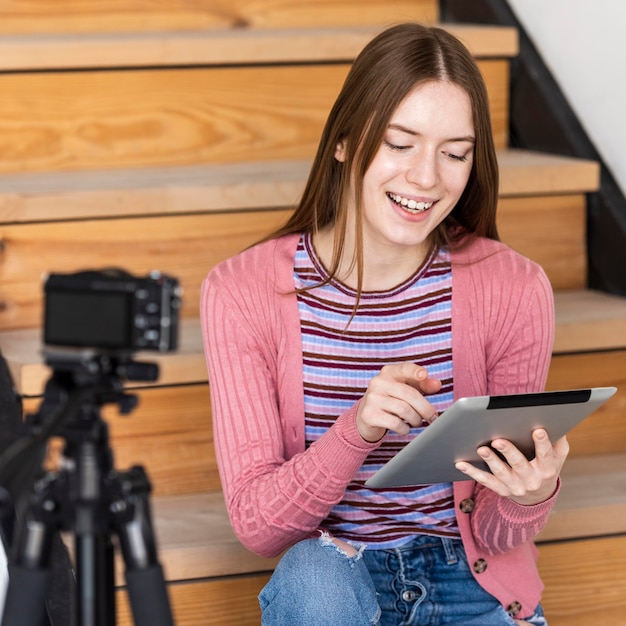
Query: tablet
(474, 422)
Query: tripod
(87, 496)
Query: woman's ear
(340, 151)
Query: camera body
(111, 310)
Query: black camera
(112, 310)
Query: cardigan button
(514, 608)
(480, 566)
(467, 505)
(409, 595)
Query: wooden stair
(173, 135)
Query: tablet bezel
(476, 421)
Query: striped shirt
(411, 322)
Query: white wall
(583, 43)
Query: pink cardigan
(276, 492)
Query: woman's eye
(457, 157)
(396, 147)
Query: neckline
(321, 270)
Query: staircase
(171, 135)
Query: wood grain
(591, 501)
(589, 320)
(221, 46)
(220, 602)
(604, 431)
(551, 230)
(585, 582)
(186, 246)
(134, 191)
(83, 16)
(114, 119)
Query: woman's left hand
(525, 482)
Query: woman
(331, 344)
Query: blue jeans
(427, 582)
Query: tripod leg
(144, 575)
(29, 574)
(95, 580)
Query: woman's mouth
(412, 206)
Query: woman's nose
(422, 170)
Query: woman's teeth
(410, 205)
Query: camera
(112, 310)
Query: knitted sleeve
(273, 501)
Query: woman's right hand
(395, 401)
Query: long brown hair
(384, 73)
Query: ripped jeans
(426, 582)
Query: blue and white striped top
(411, 322)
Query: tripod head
(81, 382)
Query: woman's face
(419, 171)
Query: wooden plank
(221, 47)
(23, 352)
(83, 120)
(551, 230)
(588, 320)
(585, 582)
(603, 432)
(221, 602)
(592, 501)
(116, 119)
(76, 16)
(186, 246)
(549, 173)
(49, 196)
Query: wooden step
(585, 581)
(592, 502)
(212, 602)
(47, 196)
(221, 47)
(101, 119)
(550, 230)
(196, 540)
(603, 432)
(189, 219)
(589, 320)
(524, 172)
(69, 16)
(22, 350)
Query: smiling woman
(338, 339)
(412, 184)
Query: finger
(545, 450)
(421, 380)
(482, 477)
(405, 401)
(413, 374)
(512, 455)
(543, 445)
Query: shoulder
(491, 277)
(269, 261)
(495, 261)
